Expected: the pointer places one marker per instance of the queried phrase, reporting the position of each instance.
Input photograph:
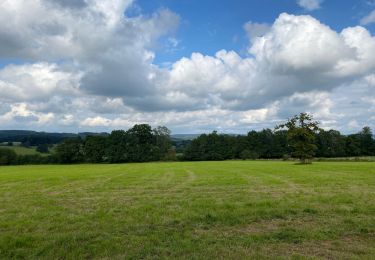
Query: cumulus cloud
(297, 54)
(310, 5)
(89, 66)
(38, 81)
(20, 112)
(113, 52)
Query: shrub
(245, 154)
(7, 156)
(42, 148)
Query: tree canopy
(301, 132)
(299, 137)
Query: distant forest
(141, 143)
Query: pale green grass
(200, 210)
(20, 150)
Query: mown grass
(200, 210)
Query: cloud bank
(86, 65)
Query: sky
(193, 66)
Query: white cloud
(96, 121)
(254, 30)
(368, 19)
(21, 112)
(309, 5)
(38, 81)
(67, 120)
(89, 66)
(298, 54)
(97, 40)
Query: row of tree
(299, 137)
(140, 143)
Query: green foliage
(7, 156)
(36, 159)
(247, 154)
(95, 148)
(116, 150)
(141, 143)
(301, 136)
(366, 141)
(211, 147)
(42, 148)
(162, 137)
(20, 150)
(70, 151)
(330, 144)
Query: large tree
(366, 141)
(95, 148)
(162, 136)
(301, 136)
(70, 151)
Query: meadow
(20, 150)
(189, 210)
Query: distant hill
(184, 136)
(35, 138)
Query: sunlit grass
(232, 209)
(20, 150)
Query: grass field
(20, 150)
(233, 209)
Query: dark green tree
(330, 144)
(301, 136)
(116, 150)
(211, 147)
(366, 141)
(353, 145)
(162, 137)
(7, 156)
(94, 148)
(141, 146)
(70, 151)
(42, 148)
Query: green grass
(20, 150)
(201, 210)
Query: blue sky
(194, 66)
(210, 25)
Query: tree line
(299, 137)
(270, 144)
(140, 143)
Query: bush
(7, 156)
(245, 154)
(35, 159)
(42, 148)
(171, 155)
